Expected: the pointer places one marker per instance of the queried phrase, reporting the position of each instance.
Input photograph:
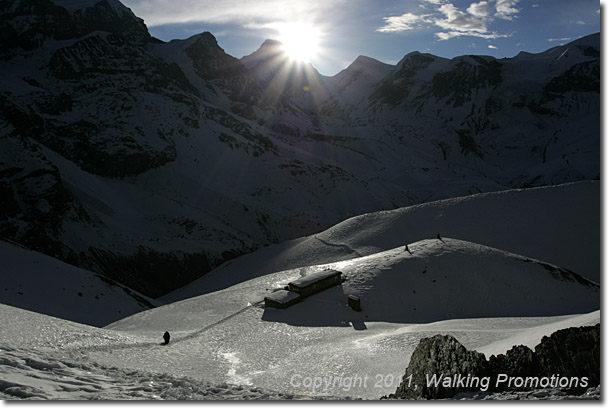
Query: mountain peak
(28, 26)
(366, 62)
(74, 5)
(270, 49)
(270, 43)
(209, 59)
(206, 38)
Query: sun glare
(300, 41)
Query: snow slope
(226, 345)
(40, 283)
(46, 358)
(488, 296)
(41, 358)
(558, 224)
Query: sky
(333, 33)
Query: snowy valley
(226, 345)
(152, 186)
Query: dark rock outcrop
(572, 352)
(519, 361)
(441, 356)
(569, 359)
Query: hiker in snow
(166, 337)
(438, 236)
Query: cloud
(161, 12)
(559, 39)
(481, 9)
(454, 22)
(492, 46)
(446, 35)
(407, 21)
(505, 9)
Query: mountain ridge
(139, 157)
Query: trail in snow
(338, 245)
(217, 323)
(174, 340)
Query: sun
(300, 41)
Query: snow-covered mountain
(152, 162)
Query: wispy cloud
(559, 39)
(492, 47)
(161, 12)
(474, 21)
(407, 21)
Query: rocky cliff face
(569, 354)
(176, 156)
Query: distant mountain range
(152, 162)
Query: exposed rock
(210, 61)
(572, 352)
(441, 356)
(570, 355)
(27, 24)
(518, 361)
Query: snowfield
(226, 345)
(479, 294)
(46, 358)
(42, 357)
